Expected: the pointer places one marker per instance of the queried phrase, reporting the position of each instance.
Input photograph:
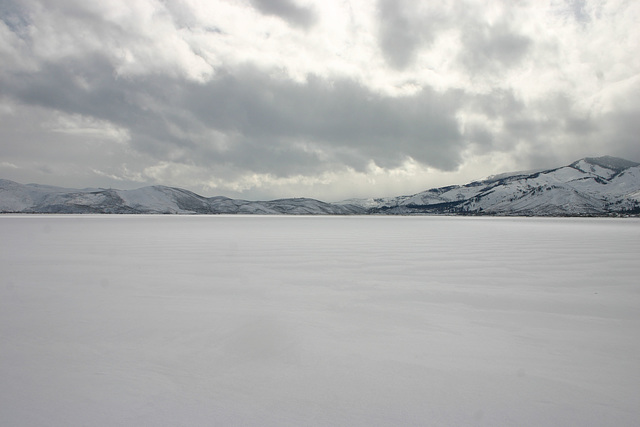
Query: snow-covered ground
(311, 321)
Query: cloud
(253, 120)
(289, 11)
(492, 48)
(372, 95)
(337, 116)
(405, 28)
(398, 37)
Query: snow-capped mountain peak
(590, 186)
(608, 162)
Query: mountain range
(593, 186)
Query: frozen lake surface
(292, 321)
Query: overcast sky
(331, 99)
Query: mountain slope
(34, 198)
(590, 186)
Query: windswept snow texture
(318, 321)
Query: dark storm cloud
(623, 129)
(492, 48)
(579, 11)
(264, 124)
(405, 30)
(184, 17)
(397, 40)
(335, 114)
(14, 17)
(181, 14)
(401, 32)
(90, 87)
(292, 13)
(497, 103)
(547, 127)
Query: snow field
(289, 321)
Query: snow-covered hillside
(590, 186)
(34, 198)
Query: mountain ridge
(595, 186)
(591, 186)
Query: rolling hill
(593, 186)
